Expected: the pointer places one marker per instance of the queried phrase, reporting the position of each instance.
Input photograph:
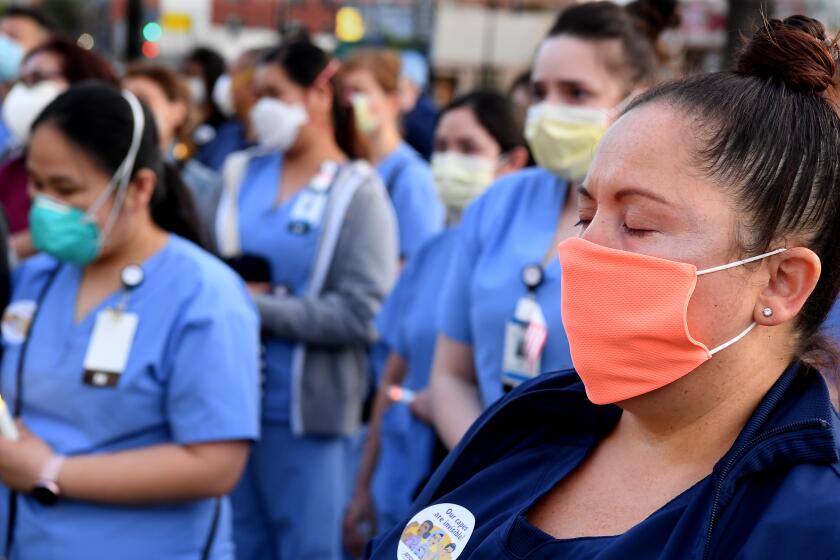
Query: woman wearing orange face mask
(693, 300)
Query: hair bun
(795, 51)
(655, 15)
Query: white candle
(7, 423)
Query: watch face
(44, 495)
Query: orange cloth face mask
(625, 318)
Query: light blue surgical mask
(71, 234)
(11, 55)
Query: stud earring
(767, 312)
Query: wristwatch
(46, 491)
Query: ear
(793, 275)
(141, 190)
(516, 159)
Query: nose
(601, 231)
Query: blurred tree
(744, 18)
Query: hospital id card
(525, 337)
(110, 346)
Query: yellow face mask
(461, 178)
(366, 120)
(563, 138)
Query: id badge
(525, 337)
(110, 345)
(308, 211)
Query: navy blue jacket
(775, 494)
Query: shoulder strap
(227, 214)
(347, 182)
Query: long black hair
(97, 118)
(305, 63)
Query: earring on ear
(767, 312)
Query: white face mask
(23, 104)
(277, 124)
(461, 178)
(223, 95)
(197, 91)
(563, 138)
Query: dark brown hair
(770, 132)
(636, 27)
(383, 64)
(175, 89)
(77, 64)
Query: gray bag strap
(347, 183)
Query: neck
(697, 418)
(313, 149)
(138, 248)
(383, 142)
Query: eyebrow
(53, 179)
(624, 193)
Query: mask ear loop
(740, 263)
(124, 171)
(749, 329)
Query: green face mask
(62, 231)
(72, 235)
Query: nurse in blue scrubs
(478, 138)
(322, 226)
(130, 354)
(498, 325)
(703, 428)
(370, 80)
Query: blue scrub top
(408, 323)
(264, 230)
(230, 137)
(191, 377)
(420, 214)
(509, 227)
(774, 494)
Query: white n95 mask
(223, 95)
(277, 124)
(24, 103)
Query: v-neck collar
(73, 276)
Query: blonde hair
(383, 64)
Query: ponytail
(173, 207)
(308, 65)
